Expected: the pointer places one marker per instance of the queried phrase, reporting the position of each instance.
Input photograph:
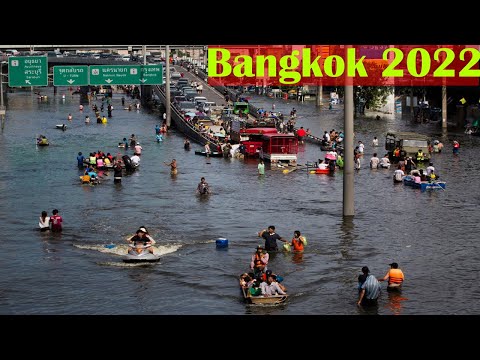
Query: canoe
(262, 300)
(212, 154)
(424, 185)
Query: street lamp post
(2, 107)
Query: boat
(321, 171)
(262, 300)
(312, 168)
(424, 185)
(139, 253)
(212, 154)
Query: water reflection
(394, 303)
(347, 236)
(297, 257)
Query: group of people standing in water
(53, 222)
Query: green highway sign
(126, 74)
(152, 75)
(27, 71)
(70, 75)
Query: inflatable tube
(128, 163)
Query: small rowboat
(262, 300)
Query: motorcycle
(140, 253)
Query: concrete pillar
(167, 87)
(444, 107)
(460, 116)
(318, 100)
(348, 168)
(145, 94)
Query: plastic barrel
(221, 243)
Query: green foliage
(368, 97)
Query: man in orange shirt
(394, 276)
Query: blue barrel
(221, 243)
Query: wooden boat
(424, 185)
(262, 300)
(212, 154)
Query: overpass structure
(102, 47)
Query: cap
(259, 247)
(268, 272)
(394, 265)
(142, 229)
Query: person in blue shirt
(368, 288)
(80, 159)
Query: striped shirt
(372, 287)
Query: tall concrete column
(167, 86)
(348, 168)
(411, 102)
(444, 107)
(318, 100)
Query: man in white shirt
(374, 161)
(361, 147)
(398, 175)
(385, 162)
(135, 160)
(430, 168)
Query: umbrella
(330, 156)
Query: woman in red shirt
(298, 241)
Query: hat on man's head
(394, 265)
(259, 247)
(142, 229)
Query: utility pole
(348, 168)
(167, 86)
(2, 107)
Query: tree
(368, 97)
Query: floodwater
(432, 235)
